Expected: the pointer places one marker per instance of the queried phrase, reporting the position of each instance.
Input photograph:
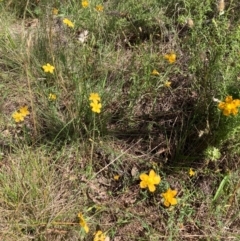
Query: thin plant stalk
(93, 141)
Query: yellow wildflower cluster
(171, 58)
(149, 181)
(19, 116)
(230, 106)
(95, 102)
(98, 236)
(68, 22)
(166, 83)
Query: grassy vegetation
(60, 158)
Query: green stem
(93, 141)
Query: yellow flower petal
(173, 201)
(144, 177)
(155, 72)
(151, 188)
(24, 111)
(221, 105)
(236, 102)
(173, 193)
(226, 112)
(154, 178)
(228, 99)
(234, 111)
(166, 203)
(157, 180)
(152, 174)
(143, 184)
(86, 228)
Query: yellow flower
(24, 111)
(191, 172)
(95, 104)
(94, 97)
(85, 4)
(55, 11)
(148, 181)
(48, 68)
(18, 117)
(155, 72)
(169, 197)
(116, 177)
(68, 23)
(170, 57)
(99, 236)
(96, 107)
(228, 99)
(99, 8)
(229, 106)
(236, 102)
(52, 96)
(167, 84)
(83, 223)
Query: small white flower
(82, 37)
